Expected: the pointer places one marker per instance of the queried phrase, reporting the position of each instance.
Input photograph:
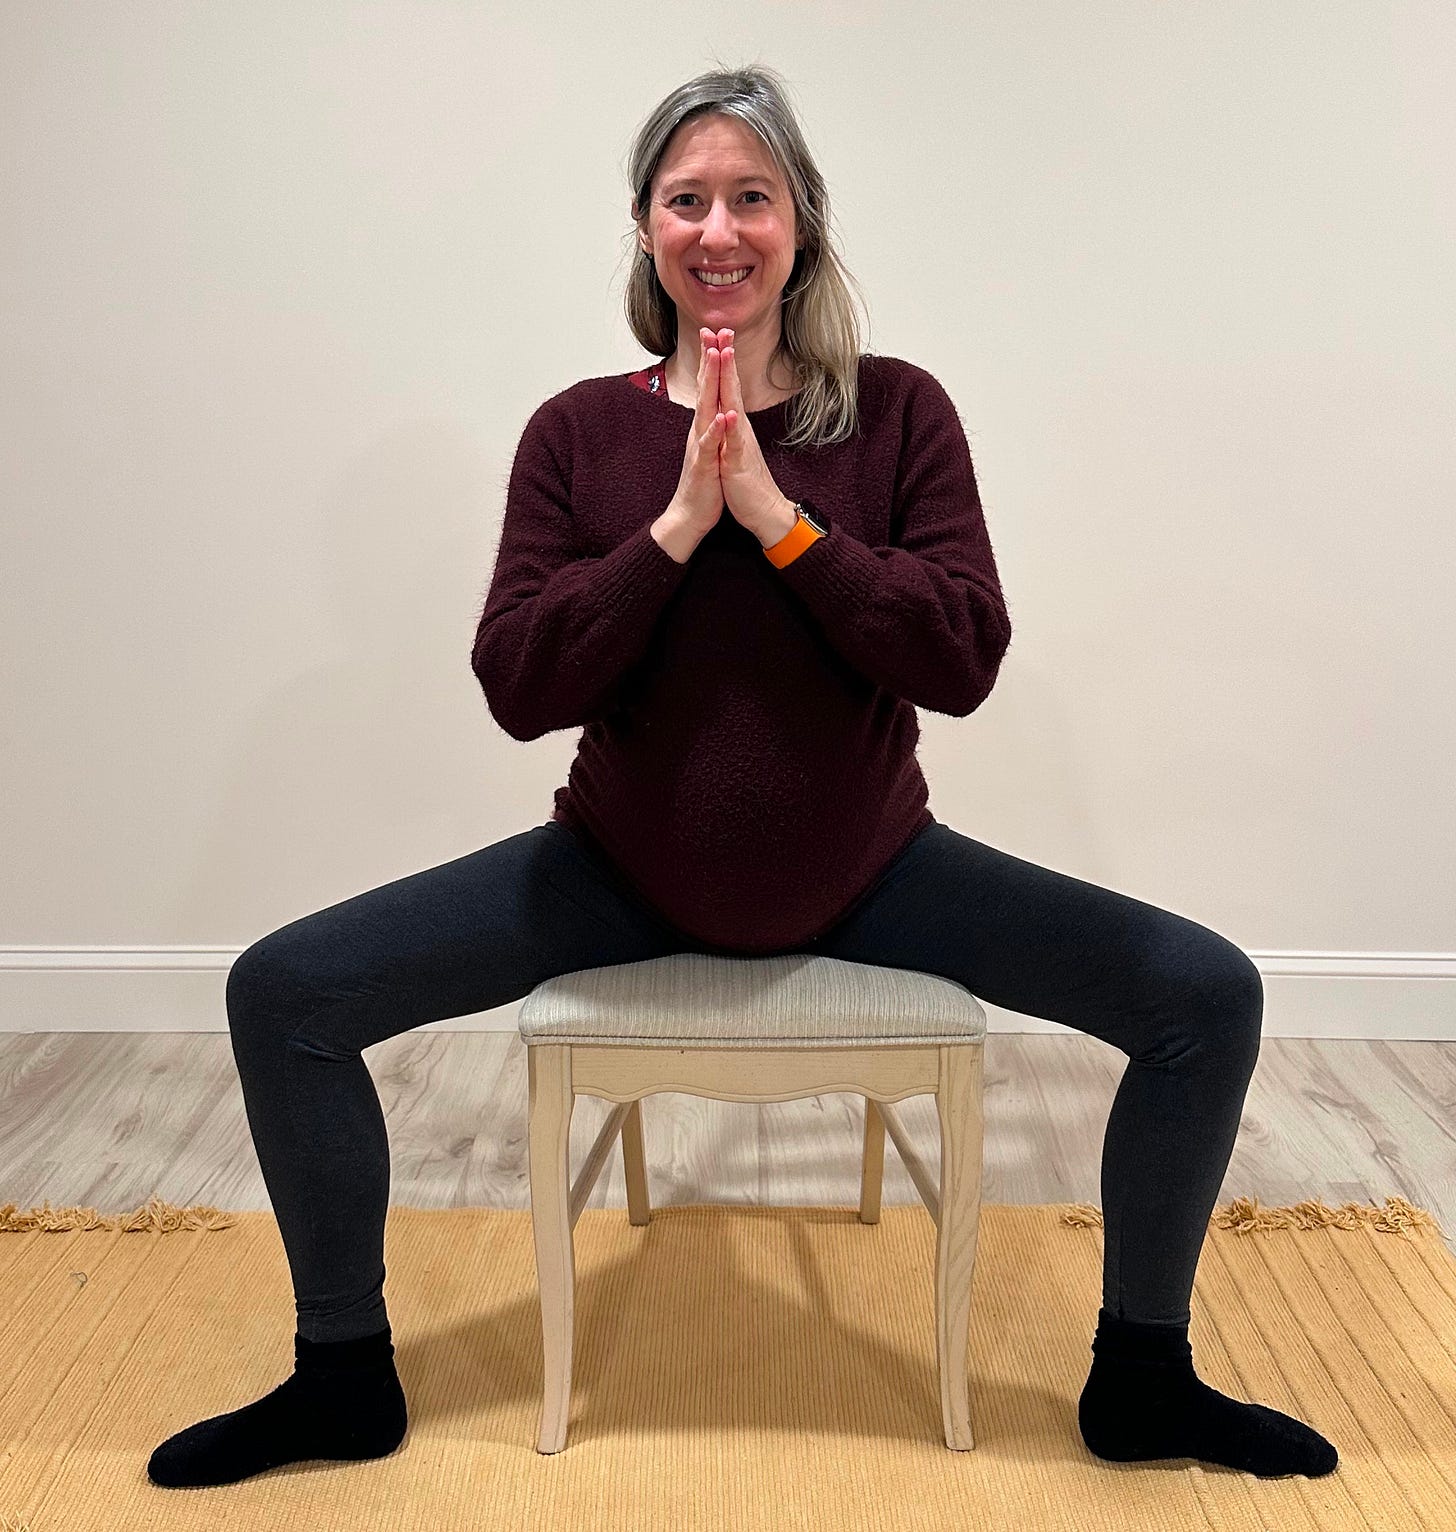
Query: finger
(730, 378)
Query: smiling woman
(732, 226)
(745, 785)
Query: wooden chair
(754, 1029)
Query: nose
(719, 231)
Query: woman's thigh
(469, 935)
(1152, 983)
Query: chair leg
(634, 1167)
(551, 1102)
(959, 1103)
(872, 1166)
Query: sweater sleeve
(924, 618)
(558, 631)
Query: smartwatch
(810, 526)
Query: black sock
(1143, 1400)
(344, 1400)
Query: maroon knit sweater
(747, 755)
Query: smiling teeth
(727, 279)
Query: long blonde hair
(820, 330)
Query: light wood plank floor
(107, 1120)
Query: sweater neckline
(660, 396)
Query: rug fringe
(157, 1215)
(1243, 1215)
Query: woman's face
(718, 201)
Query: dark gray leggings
(1182, 1002)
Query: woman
(740, 571)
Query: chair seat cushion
(796, 1000)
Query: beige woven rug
(736, 1367)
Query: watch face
(814, 516)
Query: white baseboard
(1394, 995)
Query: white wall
(283, 282)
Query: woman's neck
(685, 390)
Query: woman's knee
(267, 980)
(1215, 996)
(1234, 982)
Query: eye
(680, 195)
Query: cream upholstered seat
(754, 1029)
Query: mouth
(722, 286)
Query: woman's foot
(1143, 1400)
(343, 1401)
